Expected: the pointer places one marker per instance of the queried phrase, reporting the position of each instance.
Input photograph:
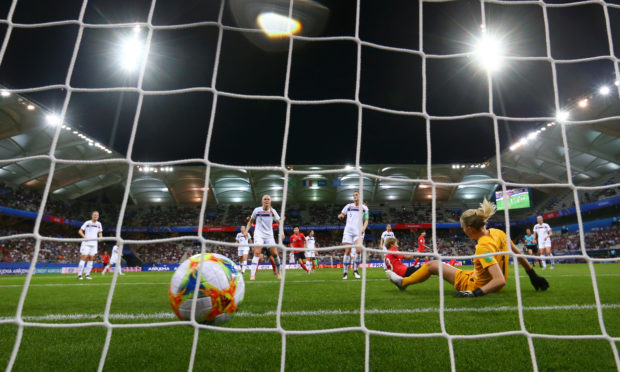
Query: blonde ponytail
(477, 218)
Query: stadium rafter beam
(113, 180)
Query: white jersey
(91, 230)
(243, 240)
(264, 222)
(115, 253)
(355, 219)
(542, 231)
(385, 236)
(311, 242)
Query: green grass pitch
(321, 300)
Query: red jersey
(421, 244)
(297, 241)
(393, 262)
(106, 258)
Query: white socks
(254, 265)
(544, 263)
(81, 267)
(89, 267)
(345, 263)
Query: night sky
(250, 131)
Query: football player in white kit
(90, 230)
(311, 252)
(357, 221)
(388, 233)
(243, 239)
(542, 237)
(117, 253)
(263, 233)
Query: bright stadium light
(583, 103)
(5, 93)
(488, 51)
(52, 119)
(604, 90)
(562, 116)
(131, 52)
(276, 25)
(30, 107)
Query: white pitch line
(257, 281)
(170, 315)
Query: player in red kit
(298, 240)
(393, 261)
(106, 259)
(421, 246)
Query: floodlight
(131, 53)
(276, 25)
(488, 51)
(562, 116)
(604, 90)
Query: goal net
(365, 112)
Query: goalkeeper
(490, 272)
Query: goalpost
(110, 326)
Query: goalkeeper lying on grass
(489, 274)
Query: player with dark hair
(298, 240)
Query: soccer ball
(220, 292)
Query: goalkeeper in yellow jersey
(490, 272)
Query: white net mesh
(110, 326)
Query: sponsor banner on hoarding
(170, 267)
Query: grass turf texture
(318, 301)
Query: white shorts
(243, 251)
(114, 259)
(268, 241)
(311, 253)
(544, 244)
(350, 238)
(88, 249)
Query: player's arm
(81, 232)
(249, 224)
(549, 233)
(341, 215)
(497, 280)
(381, 243)
(537, 281)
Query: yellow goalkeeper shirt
(495, 241)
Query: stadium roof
(28, 132)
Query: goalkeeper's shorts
(464, 280)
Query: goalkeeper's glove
(477, 293)
(537, 281)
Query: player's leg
(301, 261)
(541, 249)
(549, 254)
(345, 260)
(357, 260)
(256, 256)
(431, 268)
(83, 259)
(275, 257)
(120, 266)
(105, 268)
(244, 261)
(89, 266)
